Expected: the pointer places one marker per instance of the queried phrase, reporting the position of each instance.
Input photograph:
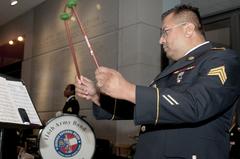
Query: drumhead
(67, 136)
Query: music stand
(16, 110)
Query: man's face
(67, 92)
(172, 37)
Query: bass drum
(67, 136)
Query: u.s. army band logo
(67, 143)
(220, 72)
(67, 137)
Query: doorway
(223, 29)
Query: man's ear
(189, 29)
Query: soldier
(71, 106)
(187, 110)
(235, 134)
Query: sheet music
(8, 111)
(20, 96)
(14, 95)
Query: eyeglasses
(164, 32)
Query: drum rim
(65, 114)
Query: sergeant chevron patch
(220, 72)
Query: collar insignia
(218, 48)
(190, 58)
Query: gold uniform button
(143, 128)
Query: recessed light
(11, 42)
(13, 2)
(20, 38)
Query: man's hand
(112, 83)
(85, 88)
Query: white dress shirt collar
(69, 98)
(196, 47)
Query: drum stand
(1, 138)
(8, 143)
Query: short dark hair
(187, 13)
(72, 88)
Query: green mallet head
(71, 3)
(65, 16)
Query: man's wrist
(96, 99)
(131, 93)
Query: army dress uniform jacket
(71, 106)
(186, 112)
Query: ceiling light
(11, 42)
(13, 2)
(20, 38)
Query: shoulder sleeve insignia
(69, 109)
(220, 72)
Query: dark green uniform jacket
(186, 112)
